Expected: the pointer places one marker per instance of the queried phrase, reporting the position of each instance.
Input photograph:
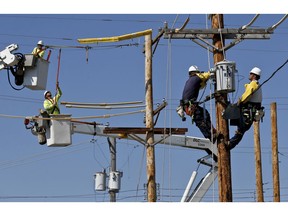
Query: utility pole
(275, 161)
(224, 165)
(151, 178)
(258, 163)
(112, 148)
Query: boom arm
(174, 140)
(7, 58)
(59, 129)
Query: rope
(221, 36)
(211, 111)
(169, 83)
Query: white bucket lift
(59, 132)
(225, 76)
(100, 181)
(36, 72)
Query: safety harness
(189, 106)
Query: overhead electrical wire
(35, 157)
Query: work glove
(180, 112)
(212, 70)
(212, 73)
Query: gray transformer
(225, 76)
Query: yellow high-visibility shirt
(249, 89)
(38, 52)
(48, 104)
(204, 78)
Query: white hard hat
(193, 68)
(40, 42)
(256, 71)
(46, 93)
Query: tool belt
(245, 113)
(189, 106)
(252, 112)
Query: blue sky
(34, 173)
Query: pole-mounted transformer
(100, 181)
(225, 76)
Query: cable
(274, 73)
(94, 155)
(9, 81)
(269, 77)
(140, 171)
(27, 160)
(19, 76)
(168, 95)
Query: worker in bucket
(39, 50)
(197, 80)
(250, 107)
(51, 103)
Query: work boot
(215, 136)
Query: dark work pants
(202, 120)
(243, 125)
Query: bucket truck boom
(57, 130)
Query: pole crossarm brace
(159, 108)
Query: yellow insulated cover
(115, 38)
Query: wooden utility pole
(151, 182)
(275, 162)
(224, 164)
(258, 163)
